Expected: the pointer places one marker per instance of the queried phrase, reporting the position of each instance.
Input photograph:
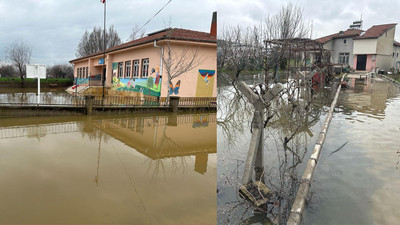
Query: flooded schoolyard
(358, 184)
(126, 169)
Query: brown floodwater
(131, 169)
(358, 184)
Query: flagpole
(104, 46)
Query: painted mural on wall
(174, 89)
(148, 86)
(205, 83)
(81, 82)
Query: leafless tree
(60, 71)
(20, 55)
(92, 42)
(177, 60)
(137, 33)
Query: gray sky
(53, 28)
(328, 16)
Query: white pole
(38, 77)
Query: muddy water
(152, 169)
(360, 183)
(356, 185)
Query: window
(344, 41)
(120, 70)
(145, 67)
(77, 72)
(80, 72)
(397, 55)
(135, 68)
(128, 69)
(393, 55)
(87, 72)
(344, 57)
(84, 72)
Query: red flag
(102, 1)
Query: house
(374, 48)
(142, 66)
(341, 45)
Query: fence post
(89, 104)
(173, 103)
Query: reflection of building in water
(369, 96)
(161, 137)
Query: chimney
(213, 30)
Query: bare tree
(137, 33)
(177, 61)
(20, 55)
(61, 71)
(92, 42)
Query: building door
(361, 62)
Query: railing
(120, 101)
(126, 101)
(197, 101)
(45, 99)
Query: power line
(154, 15)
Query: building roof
(341, 34)
(376, 31)
(396, 43)
(169, 33)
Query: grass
(31, 80)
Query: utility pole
(104, 46)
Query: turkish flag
(102, 1)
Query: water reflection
(153, 169)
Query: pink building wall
(192, 84)
(370, 65)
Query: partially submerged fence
(91, 103)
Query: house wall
(192, 83)
(396, 57)
(385, 42)
(365, 46)
(339, 46)
(384, 62)
(371, 62)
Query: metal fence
(126, 101)
(45, 99)
(120, 101)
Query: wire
(154, 15)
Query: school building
(142, 66)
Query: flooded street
(127, 169)
(360, 183)
(357, 184)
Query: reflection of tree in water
(160, 165)
(287, 136)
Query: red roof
(344, 34)
(169, 33)
(376, 31)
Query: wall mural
(147, 86)
(205, 83)
(81, 82)
(174, 89)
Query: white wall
(365, 46)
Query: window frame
(145, 67)
(120, 70)
(344, 57)
(128, 69)
(136, 68)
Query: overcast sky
(53, 28)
